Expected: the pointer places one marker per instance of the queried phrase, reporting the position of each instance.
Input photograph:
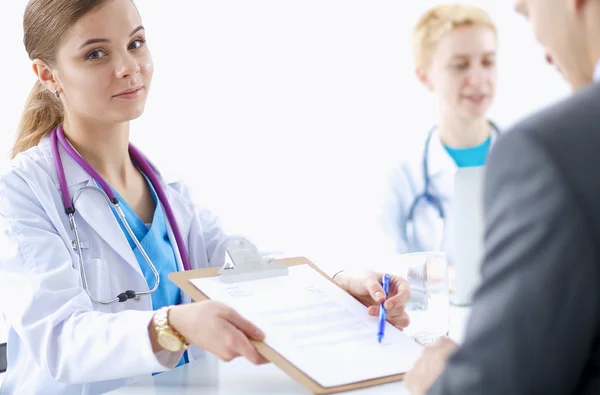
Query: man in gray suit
(535, 321)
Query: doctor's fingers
(398, 297)
(248, 328)
(374, 288)
(396, 311)
(235, 344)
(399, 293)
(397, 317)
(399, 321)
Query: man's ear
(45, 75)
(423, 76)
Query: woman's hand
(218, 329)
(367, 288)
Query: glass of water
(429, 306)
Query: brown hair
(44, 25)
(441, 19)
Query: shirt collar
(597, 72)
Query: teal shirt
(472, 156)
(155, 241)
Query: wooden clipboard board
(182, 280)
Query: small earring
(56, 94)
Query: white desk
(209, 376)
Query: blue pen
(382, 311)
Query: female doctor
(89, 230)
(455, 54)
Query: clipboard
(182, 280)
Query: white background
(283, 116)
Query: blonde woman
(91, 310)
(455, 55)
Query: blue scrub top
(472, 156)
(154, 238)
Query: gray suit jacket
(535, 322)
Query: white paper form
(316, 326)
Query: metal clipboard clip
(247, 263)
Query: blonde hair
(44, 24)
(438, 21)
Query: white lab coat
(405, 183)
(59, 341)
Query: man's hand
(429, 367)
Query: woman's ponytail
(43, 112)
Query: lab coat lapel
(442, 168)
(183, 215)
(90, 205)
(495, 136)
(94, 210)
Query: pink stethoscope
(57, 136)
